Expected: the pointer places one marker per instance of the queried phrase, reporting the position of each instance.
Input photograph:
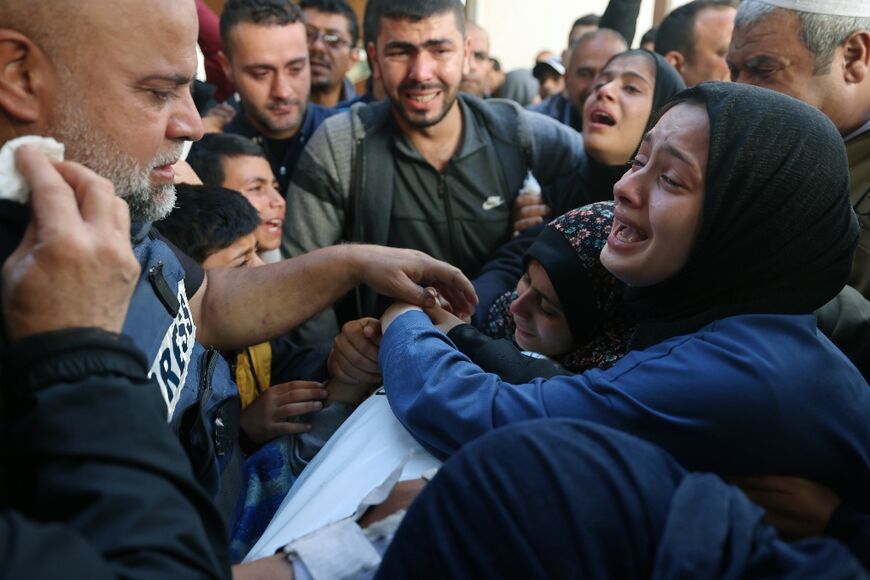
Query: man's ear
(856, 52)
(469, 54)
(24, 75)
(225, 65)
(372, 53)
(676, 60)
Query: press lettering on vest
(173, 357)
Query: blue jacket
(751, 394)
(283, 168)
(559, 107)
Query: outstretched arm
(235, 308)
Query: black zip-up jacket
(93, 483)
(98, 486)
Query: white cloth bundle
(357, 467)
(12, 184)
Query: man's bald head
(474, 81)
(587, 57)
(64, 28)
(110, 79)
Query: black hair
(586, 20)
(370, 24)
(649, 36)
(677, 31)
(260, 12)
(336, 7)
(208, 219)
(413, 10)
(207, 154)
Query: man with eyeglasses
(266, 56)
(333, 33)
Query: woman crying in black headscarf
(631, 87)
(731, 227)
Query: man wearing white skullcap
(819, 52)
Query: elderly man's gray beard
(84, 145)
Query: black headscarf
(777, 230)
(568, 249)
(594, 181)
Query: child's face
(241, 253)
(253, 178)
(540, 322)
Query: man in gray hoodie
(430, 168)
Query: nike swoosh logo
(493, 202)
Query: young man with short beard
(429, 168)
(266, 56)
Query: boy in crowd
(217, 227)
(240, 164)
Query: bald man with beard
(111, 80)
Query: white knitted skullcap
(853, 8)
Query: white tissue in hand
(12, 184)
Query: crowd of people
(623, 295)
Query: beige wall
(519, 29)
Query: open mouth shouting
(625, 235)
(273, 226)
(600, 117)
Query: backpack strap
(370, 200)
(372, 178)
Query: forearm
(621, 16)
(100, 470)
(238, 308)
(438, 394)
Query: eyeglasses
(330, 39)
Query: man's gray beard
(132, 183)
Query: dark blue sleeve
(294, 361)
(621, 16)
(852, 528)
(501, 356)
(750, 395)
(569, 499)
